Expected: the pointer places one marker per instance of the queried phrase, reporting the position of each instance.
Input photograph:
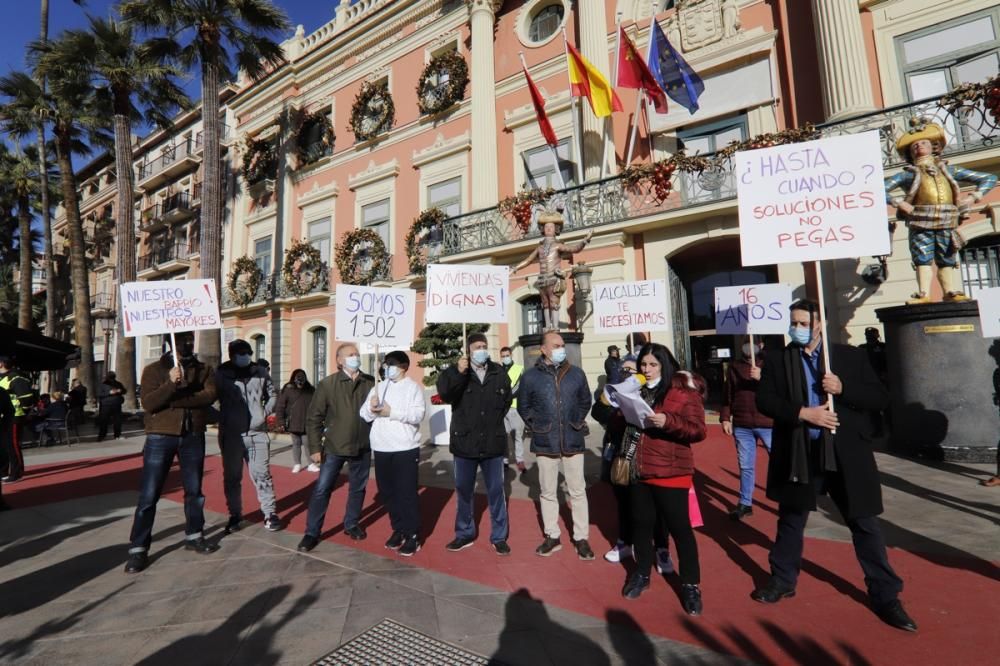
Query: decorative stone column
(484, 120)
(847, 88)
(594, 47)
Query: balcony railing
(102, 301)
(273, 287)
(608, 201)
(164, 255)
(169, 155)
(199, 140)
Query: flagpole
(575, 112)
(649, 54)
(635, 126)
(614, 84)
(552, 151)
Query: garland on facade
(975, 95)
(260, 160)
(356, 246)
(519, 206)
(423, 225)
(307, 150)
(244, 281)
(302, 269)
(373, 111)
(434, 98)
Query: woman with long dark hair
(664, 470)
(290, 412)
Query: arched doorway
(695, 272)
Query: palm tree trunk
(24, 231)
(83, 326)
(43, 170)
(125, 247)
(210, 346)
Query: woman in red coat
(664, 465)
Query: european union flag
(672, 72)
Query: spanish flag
(586, 81)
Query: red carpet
(954, 597)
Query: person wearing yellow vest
(6, 427)
(21, 397)
(512, 423)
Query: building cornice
(373, 174)
(317, 194)
(442, 148)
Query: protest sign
(380, 316)
(467, 294)
(813, 200)
(625, 307)
(168, 306)
(760, 309)
(989, 311)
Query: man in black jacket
(110, 398)
(818, 451)
(479, 394)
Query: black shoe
(234, 524)
(583, 550)
(635, 584)
(691, 599)
(410, 547)
(200, 546)
(136, 562)
(894, 615)
(773, 592)
(272, 523)
(548, 547)
(308, 543)
(459, 544)
(357, 533)
(395, 542)
(501, 548)
(4, 506)
(741, 511)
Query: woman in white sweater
(395, 409)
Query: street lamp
(107, 322)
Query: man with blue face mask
(479, 394)
(818, 451)
(246, 398)
(554, 401)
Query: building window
(156, 346)
(375, 216)
(531, 315)
(540, 172)
(705, 139)
(546, 22)
(318, 354)
(447, 196)
(259, 346)
(319, 237)
(938, 58)
(980, 264)
(664, 5)
(262, 255)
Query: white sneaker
(618, 553)
(296, 469)
(664, 565)
(313, 467)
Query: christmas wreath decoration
(519, 206)
(356, 247)
(244, 281)
(314, 139)
(432, 97)
(260, 160)
(973, 95)
(302, 269)
(416, 238)
(373, 111)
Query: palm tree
(137, 81)
(18, 172)
(213, 35)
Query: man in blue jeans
(338, 436)
(175, 398)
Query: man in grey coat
(246, 398)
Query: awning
(34, 351)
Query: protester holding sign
(807, 458)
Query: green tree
(213, 35)
(20, 180)
(442, 345)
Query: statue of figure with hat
(551, 281)
(933, 207)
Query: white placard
(627, 307)
(467, 294)
(811, 201)
(169, 306)
(761, 309)
(989, 311)
(376, 315)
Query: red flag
(633, 72)
(543, 120)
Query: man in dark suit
(818, 451)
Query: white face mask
(653, 383)
(393, 372)
(352, 362)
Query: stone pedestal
(531, 344)
(943, 381)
